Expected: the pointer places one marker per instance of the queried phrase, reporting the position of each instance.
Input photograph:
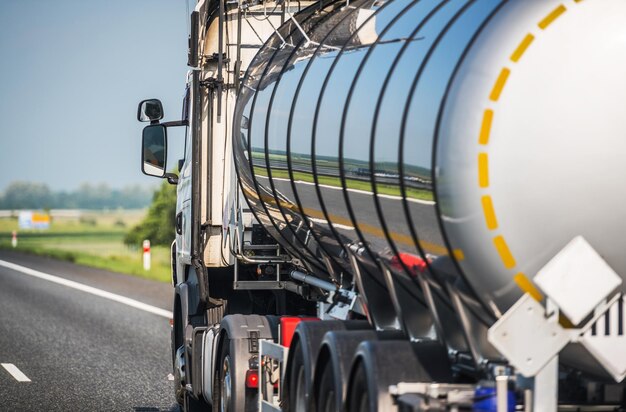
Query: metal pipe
(313, 281)
(238, 61)
(220, 59)
(528, 400)
(502, 393)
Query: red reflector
(288, 327)
(252, 379)
(414, 264)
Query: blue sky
(71, 75)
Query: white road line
(15, 372)
(337, 225)
(94, 291)
(363, 192)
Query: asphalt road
(423, 216)
(82, 352)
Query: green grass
(366, 186)
(95, 240)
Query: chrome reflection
(336, 127)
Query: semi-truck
(399, 205)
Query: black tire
(358, 396)
(297, 383)
(222, 386)
(326, 401)
(227, 387)
(179, 391)
(192, 405)
(176, 343)
(185, 400)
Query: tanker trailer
(434, 154)
(412, 205)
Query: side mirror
(154, 153)
(150, 110)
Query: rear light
(252, 379)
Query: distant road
(67, 347)
(422, 214)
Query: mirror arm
(176, 123)
(171, 178)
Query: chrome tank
(475, 137)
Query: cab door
(183, 198)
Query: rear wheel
(224, 379)
(179, 375)
(358, 397)
(326, 401)
(333, 366)
(178, 360)
(192, 405)
(297, 384)
(231, 394)
(227, 385)
(298, 389)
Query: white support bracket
(272, 359)
(582, 286)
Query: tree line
(29, 195)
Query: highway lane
(422, 214)
(82, 352)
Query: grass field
(383, 189)
(95, 239)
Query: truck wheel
(333, 367)
(178, 359)
(184, 399)
(297, 384)
(230, 390)
(224, 382)
(358, 398)
(301, 360)
(326, 402)
(192, 405)
(179, 368)
(380, 364)
(226, 385)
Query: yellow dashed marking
(505, 254)
(551, 17)
(458, 254)
(521, 49)
(499, 85)
(435, 249)
(489, 212)
(483, 170)
(378, 232)
(485, 129)
(527, 286)
(522, 281)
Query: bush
(159, 224)
(88, 221)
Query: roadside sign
(33, 220)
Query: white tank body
(478, 135)
(532, 144)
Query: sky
(71, 75)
